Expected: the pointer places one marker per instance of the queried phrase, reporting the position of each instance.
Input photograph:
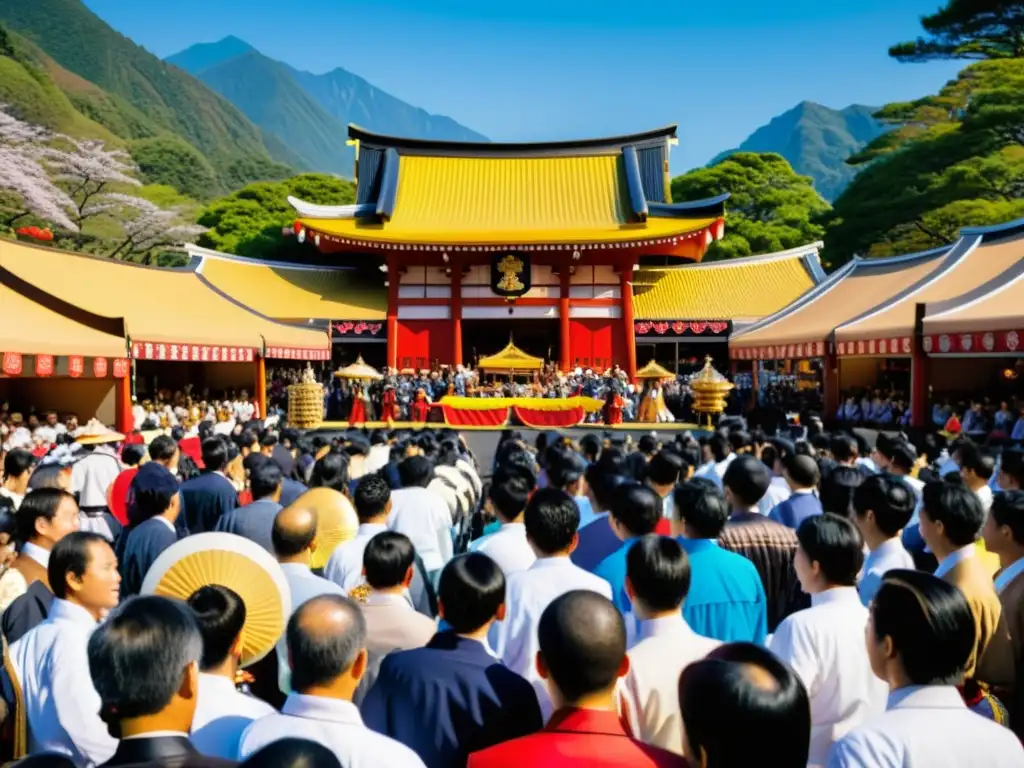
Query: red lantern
(12, 364)
(120, 368)
(44, 365)
(76, 366)
(99, 367)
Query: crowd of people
(712, 602)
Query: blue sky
(538, 69)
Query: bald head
(325, 637)
(583, 641)
(294, 531)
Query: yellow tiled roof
(739, 289)
(288, 293)
(510, 199)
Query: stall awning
(801, 329)
(169, 314)
(511, 358)
(739, 289)
(970, 263)
(293, 293)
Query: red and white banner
(194, 353)
(76, 366)
(292, 353)
(981, 344)
(12, 364)
(680, 327)
(99, 367)
(121, 367)
(44, 365)
(888, 347)
(779, 351)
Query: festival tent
(511, 359)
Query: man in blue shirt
(635, 512)
(726, 600)
(598, 540)
(883, 505)
(565, 468)
(802, 475)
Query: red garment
(244, 497)
(117, 495)
(193, 448)
(953, 425)
(664, 527)
(389, 405)
(577, 737)
(358, 413)
(613, 410)
(418, 410)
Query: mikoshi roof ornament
(358, 370)
(237, 563)
(654, 371)
(95, 432)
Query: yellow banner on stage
(589, 404)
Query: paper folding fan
(336, 521)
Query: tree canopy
(968, 29)
(956, 160)
(249, 222)
(771, 207)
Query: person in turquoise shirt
(726, 599)
(635, 512)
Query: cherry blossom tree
(23, 172)
(151, 228)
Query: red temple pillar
(919, 365)
(392, 314)
(565, 351)
(830, 381)
(456, 305)
(124, 419)
(626, 291)
(260, 392)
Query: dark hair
(603, 479)
(1008, 509)
(330, 471)
(659, 570)
(472, 588)
(137, 657)
(890, 498)
(371, 497)
(264, 479)
(835, 543)
(637, 507)
(289, 541)
(320, 653)
(72, 554)
(415, 472)
(162, 448)
(292, 753)
(802, 470)
(691, 456)
(17, 462)
(509, 496)
(719, 446)
(747, 479)
(387, 559)
(843, 448)
(552, 520)
(1012, 464)
(220, 614)
(957, 507)
(582, 638)
(8, 518)
(902, 455)
(590, 446)
(930, 623)
(131, 455)
(838, 488)
(42, 503)
(215, 454)
(664, 468)
(979, 460)
(702, 506)
(517, 463)
(728, 693)
(647, 444)
(564, 467)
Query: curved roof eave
(314, 211)
(520, 148)
(710, 206)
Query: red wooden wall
(421, 342)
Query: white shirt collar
(954, 558)
(37, 553)
(385, 598)
(321, 708)
(665, 626)
(1008, 574)
(798, 491)
(925, 697)
(889, 546)
(166, 522)
(555, 561)
(370, 529)
(297, 569)
(68, 611)
(222, 685)
(836, 595)
(156, 735)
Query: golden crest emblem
(510, 268)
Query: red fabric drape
(471, 417)
(567, 417)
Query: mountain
(135, 95)
(309, 113)
(816, 140)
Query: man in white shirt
(657, 580)
(52, 662)
(551, 519)
(824, 643)
(882, 508)
(18, 465)
(294, 540)
(977, 467)
(508, 546)
(422, 515)
(662, 474)
(222, 712)
(373, 503)
(721, 456)
(327, 645)
(919, 638)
